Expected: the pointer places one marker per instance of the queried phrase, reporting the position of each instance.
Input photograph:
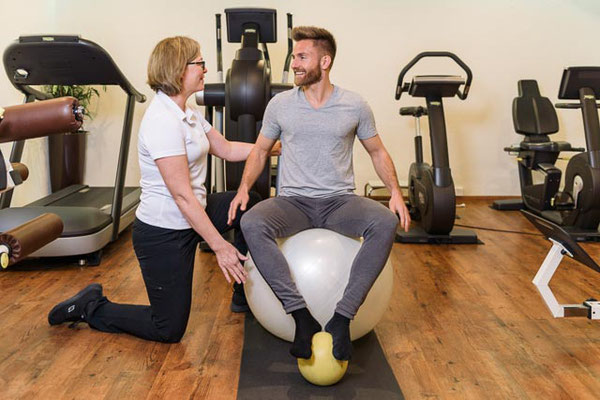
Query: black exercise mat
(268, 371)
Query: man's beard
(310, 77)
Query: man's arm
(254, 165)
(256, 162)
(384, 166)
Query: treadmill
(92, 216)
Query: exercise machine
(562, 245)
(431, 195)
(577, 207)
(247, 89)
(92, 216)
(28, 121)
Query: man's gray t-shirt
(316, 158)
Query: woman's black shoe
(73, 309)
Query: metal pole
(219, 164)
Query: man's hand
(240, 200)
(254, 165)
(398, 206)
(229, 259)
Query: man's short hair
(322, 38)
(168, 62)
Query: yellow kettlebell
(322, 368)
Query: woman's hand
(276, 149)
(229, 259)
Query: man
(317, 123)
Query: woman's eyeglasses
(200, 63)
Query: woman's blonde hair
(168, 62)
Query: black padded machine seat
(552, 147)
(414, 111)
(535, 118)
(533, 114)
(78, 221)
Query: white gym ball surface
(320, 262)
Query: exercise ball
(322, 368)
(320, 262)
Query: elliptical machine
(577, 207)
(431, 195)
(246, 91)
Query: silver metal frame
(542, 280)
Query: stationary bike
(577, 207)
(431, 195)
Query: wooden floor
(464, 322)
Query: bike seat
(549, 146)
(414, 111)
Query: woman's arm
(175, 173)
(228, 151)
(233, 151)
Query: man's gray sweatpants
(349, 215)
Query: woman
(175, 212)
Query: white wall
(502, 42)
